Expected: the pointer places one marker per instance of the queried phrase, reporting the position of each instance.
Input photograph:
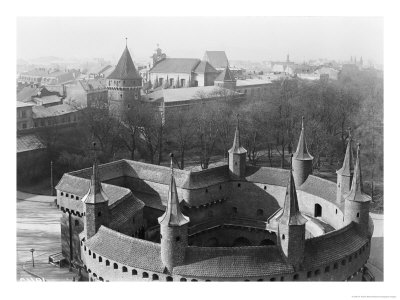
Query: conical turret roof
(302, 150)
(348, 165)
(291, 214)
(356, 192)
(95, 193)
(125, 68)
(173, 215)
(226, 75)
(237, 147)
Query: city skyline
(269, 38)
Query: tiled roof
(150, 200)
(333, 246)
(93, 84)
(79, 186)
(125, 68)
(25, 104)
(233, 262)
(205, 178)
(176, 65)
(52, 111)
(190, 93)
(98, 69)
(61, 76)
(302, 150)
(319, 187)
(29, 91)
(205, 67)
(47, 99)
(272, 176)
(29, 142)
(126, 250)
(123, 211)
(217, 59)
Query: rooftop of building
(52, 111)
(35, 72)
(187, 94)
(25, 104)
(93, 84)
(217, 59)
(51, 99)
(205, 67)
(29, 142)
(176, 65)
(252, 81)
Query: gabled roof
(173, 215)
(29, 142)
(237, 147)
(302, 151)
(95, 193)
(205, 67)
(348, 165)
(30, 91)
(356, 193)
(52, 111)
(291, 214)
(217, 59)
(125, 68)
(176, 65)
(225, 75)
(93, 85)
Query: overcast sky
(245, 38)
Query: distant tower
(356, 207)
(361, 61)
(95, 205)
(123, 85)
(226, 79)
(291, 226)
(173, 229)
(287, 58)
(158, 55)
(345, 174)
(302, 160)
(237, 156)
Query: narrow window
(283, 236)
(169, 278)
(134, 272)
(238, 184)
(335, 265)
(99, 214)
(235, 210)
(265, 187)
(343, 262)
(145, 275)
(124, 269)
(100, 259)
(296, 277)
(178, 238)
(107, 262)
(94, 255)
(115, 266)
(155, 277)
(358, 215)
(317, 272)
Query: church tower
(356, 207)
(237, 156)
(95, 205)
(345, 174)
(123, 85)
(302, 160)
(173, 229)
(226, 79)
(291, 226)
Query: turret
(291, 226)
(95, 205)
(237, 156)
(173, 229)
(302, 160)
(226, 79)
(345, 174)
(357, 203)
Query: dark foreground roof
(126, 250)
(233, 262)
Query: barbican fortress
(133, 221)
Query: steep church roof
(348, 165)
(217, 59)
(356, 193)
(205, 67)
(291, 214)
(237, 147)
(176, 65)
(173, 215)
(225, 75)
(95, 193)
(125, 68)
(302, 151)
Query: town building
(133, 221)
(87, 93)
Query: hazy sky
(246, 38)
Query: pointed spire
(302, 150)
(237, 147)
(356, 193)
(226, 75)
(126, 42)
(291, 214)
(125, 68)
(95, 193)
(348, 165)
(173, 215)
